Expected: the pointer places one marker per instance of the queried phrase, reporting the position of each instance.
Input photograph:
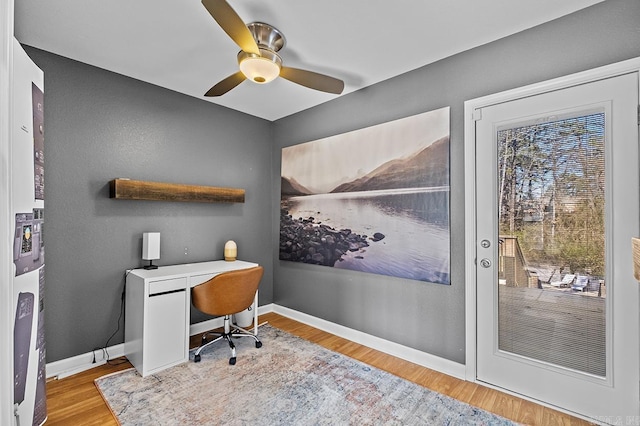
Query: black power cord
(105, 352)
(117, 329)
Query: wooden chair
(226, 294)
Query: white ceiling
(178, 45)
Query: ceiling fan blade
(232, 24)
(313, 80)
(227, 84)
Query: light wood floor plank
(463, 392)
(76, 401)
(529, 413)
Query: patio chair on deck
(565, 282)
(581, 283)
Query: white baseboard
(77, 364)
(424, 359)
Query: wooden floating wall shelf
(128, 189)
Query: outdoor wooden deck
(560, 327)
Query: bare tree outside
(551, 192)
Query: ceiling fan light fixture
(262, 68)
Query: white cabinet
(166, 330)
(156, 323)
(157, 308)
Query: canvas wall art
(373, 200)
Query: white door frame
(6, 276)
(631, 65)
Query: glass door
(557, 190)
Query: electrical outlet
(186, 251)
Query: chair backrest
(227, 293)
(582, 280)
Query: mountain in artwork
(290, 187)
(427, 168)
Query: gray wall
(99, 126)
(430, 317)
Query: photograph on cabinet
(28, 246)
(37, 97)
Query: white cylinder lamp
(151, 248)
(230, 251)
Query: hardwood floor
(76, 401)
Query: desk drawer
(200, 279)
(163, 286)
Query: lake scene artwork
(373, 200)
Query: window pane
(551, 195)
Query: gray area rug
(289, 381)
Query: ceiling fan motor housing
(267, 36)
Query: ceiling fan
(258, 58)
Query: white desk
(157, 306)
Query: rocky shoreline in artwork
(309, 241)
